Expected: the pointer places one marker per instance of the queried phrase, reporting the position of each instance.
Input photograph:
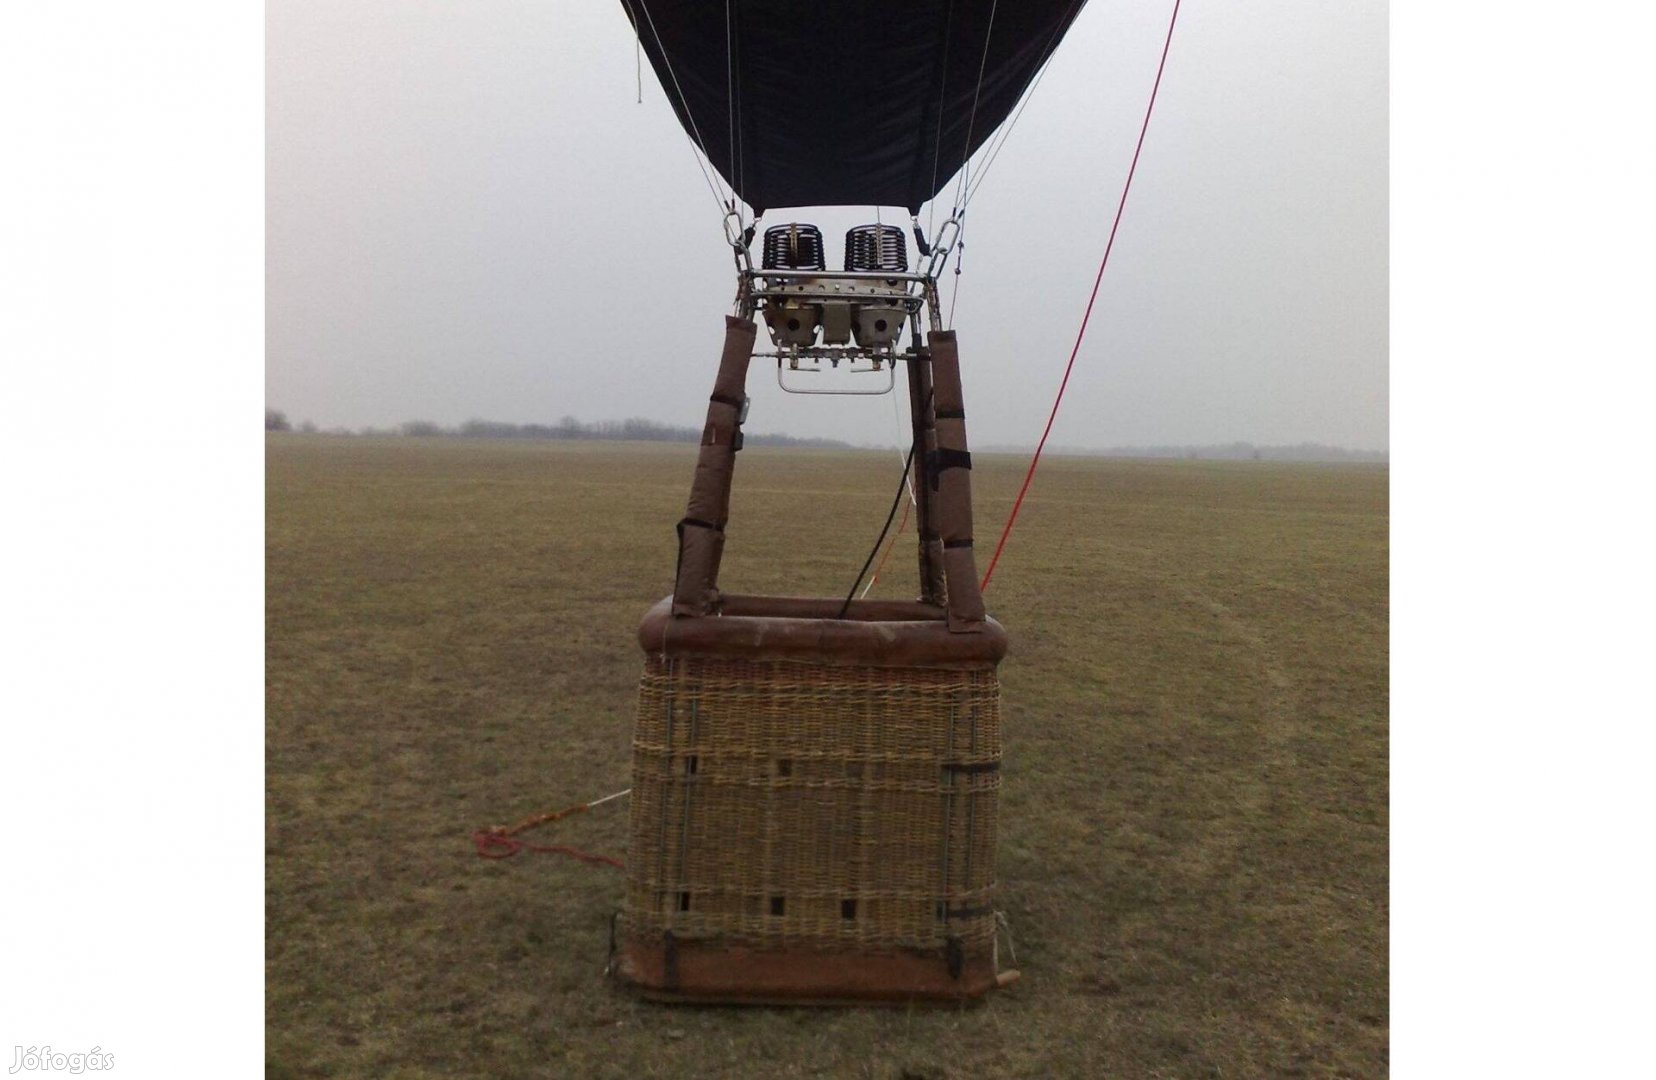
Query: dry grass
(1194, 841)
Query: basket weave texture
(785, 805)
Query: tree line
(636, 429)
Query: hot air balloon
(815, 781)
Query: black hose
(902, 482)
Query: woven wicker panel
(787, 805)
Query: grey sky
(470, 216)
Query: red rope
(492, 844)
(502, 842)
(1062, 386)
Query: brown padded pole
(952, 474)
(701, 533)
(925, 443)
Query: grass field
(1193, 847)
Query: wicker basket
(813, 808)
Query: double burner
(839, 307)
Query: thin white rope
(730, 96)
(971, 120)
(677, 88)
(902, 455)
(607, 798)
(908, 478)
(999, 140)
(967, 187)
(966, 157)
(937, 143)
(741, 148)
(1005, 133)
(697, 142)
(960, 252)
(991, 149)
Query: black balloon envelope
(845, 102)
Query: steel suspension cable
(1086, 315)
(697, 143)
(993, 149)
(937, 142)
(971, 119)
(736, 166)
(730, 88)
(959, 213)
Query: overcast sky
(470, 216)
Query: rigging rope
(908, 482)
(971, 120)
(730, 103)
(902, 486)
(874, 579)
(730, 89)
(968, 184)
(958, 214)
(997, 141)
(960, 253)
(897, 429)
(697, 142)
(1086, 315)
(937, 143)
(502, 842)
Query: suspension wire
(937, 143)
(896, 500)
(697, 142)
(999, 140)
(992, 148)
(638, 65)
(741, 147)
(971, 120)
(1086, 315)
(956, 214)
(730, 104)
(960, 253)
(730, 90)
(1005, 133)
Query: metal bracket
(941, 245)
(891, 381)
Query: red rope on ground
(502, 842)
(1057, 401)
(497, 845)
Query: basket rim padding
(880, 633)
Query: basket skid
(713, 974)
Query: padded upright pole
(701, 533)
(925, 446)
(950, 471)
